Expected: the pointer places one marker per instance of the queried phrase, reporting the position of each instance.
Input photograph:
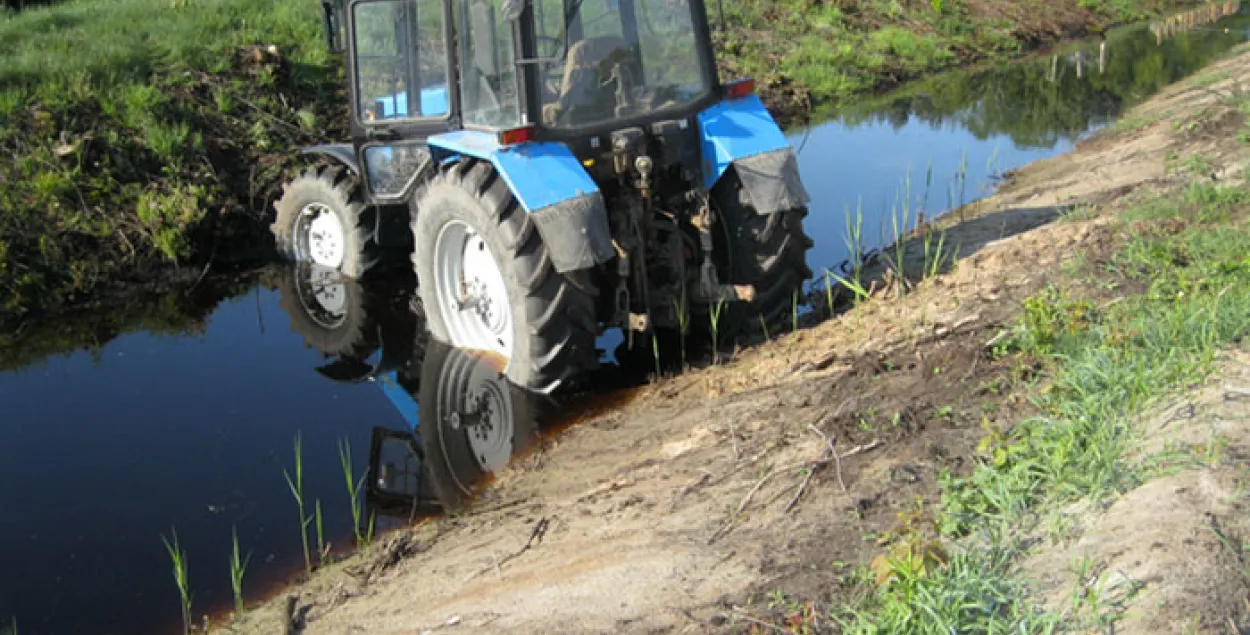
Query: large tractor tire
(768, 251)
(487, 282)
(322, 219)
(473, 420)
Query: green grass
(134, 130)
(1181, 286)
(837, 49)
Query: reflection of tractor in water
(463, 419)
(562, 166)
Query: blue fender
(740, 132)
(551, 185)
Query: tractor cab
(521, 70)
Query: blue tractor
(562, 167)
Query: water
(181, 411)
(989, 120)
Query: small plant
(764, 327)
(714, 316)
(794, 312)
(683, 325)
(853, 285)
(913, 549)
(353, 487)
(829, 292)
(655, 354)
(179, 559)
(237, 568)
(933, 254)
(321, 543)
(297, 490)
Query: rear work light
(514, 136)
(739, 88)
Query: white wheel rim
(471, 292)
(321, 238)
(329, 293)
(483, 408)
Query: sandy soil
(682, 509)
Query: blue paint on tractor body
(540, 174)
(402, 400)
(736, 129)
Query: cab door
(402, 88)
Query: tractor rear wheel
(768, 251)
(487, 281)
(322, 219)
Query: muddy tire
(541, 320)
(766, 251)
(322, 218)
(331, 314)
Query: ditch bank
(831, 478)
(154, 164)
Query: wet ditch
(181, 413)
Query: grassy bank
(145, 136)
(806, 53)
(1122, 331)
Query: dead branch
(746, 500)
(830, 455)
(744, 616)
(536, 537)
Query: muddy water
(181, 413)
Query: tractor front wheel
(487, 281)
(322, 219)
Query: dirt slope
(681, 510)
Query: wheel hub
(472, 294)
(321, 236)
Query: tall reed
(237, 568)
(297, 490)
(354, 487)
(179, 559)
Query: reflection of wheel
(322, 219)
(487, 282)
(328, 311)
(472, 420)
(768, 251)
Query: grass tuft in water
(322, 551)
(354, 488)
(238, 567)
(297, 490)
(179, 559)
